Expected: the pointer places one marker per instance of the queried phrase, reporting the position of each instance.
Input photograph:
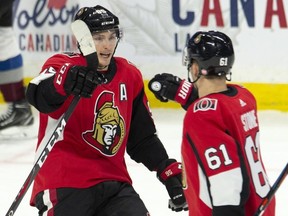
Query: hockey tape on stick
(86, 43)
(85, 40)
(265, 202)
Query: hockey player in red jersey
(85, 173)
(223, 173)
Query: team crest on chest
(108, 128)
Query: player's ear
(194, 69)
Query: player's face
(105, 43)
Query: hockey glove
(77, 80)
(81, 81)
(169, 173)
(169, 87)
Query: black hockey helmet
(98, 19)
(213, 51)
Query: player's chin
(105, 60)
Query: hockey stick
(265, 202)
(85, 40)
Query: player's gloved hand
(77, 80)
(169, 173)
(169, 87)
(82, 81)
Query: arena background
(155, 32)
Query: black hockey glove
(169, 87)
(81, 81)
(169, 173)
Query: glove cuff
(60, 77)
(183, 92)
(168, 168)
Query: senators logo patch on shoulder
(205, 104)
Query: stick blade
(83, 37)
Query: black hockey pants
(105, 199)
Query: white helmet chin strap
(191, 79)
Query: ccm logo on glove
(61, 73)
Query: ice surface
(16, 159)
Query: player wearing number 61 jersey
(223, 173)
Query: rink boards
(269, 96)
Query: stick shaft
(43, 155)
(265, 202)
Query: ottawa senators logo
(205, 104)
(108, 129)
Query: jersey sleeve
(41, 92)
(143, 145)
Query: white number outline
(256, 168)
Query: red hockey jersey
(221, 155)
(99, 130)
